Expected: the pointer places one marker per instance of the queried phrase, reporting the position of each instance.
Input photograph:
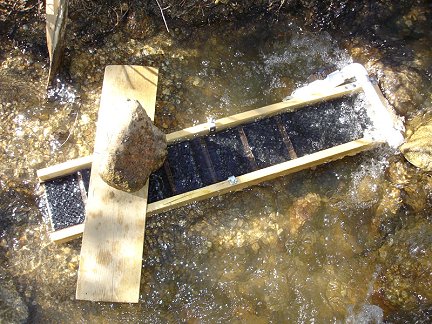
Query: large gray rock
(136, 149)
(418, 147)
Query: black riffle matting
(318, 127)
(65, 200)
(184, 169)
(206, 160)
(266, 142)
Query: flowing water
(303, 248)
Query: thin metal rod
(163, 16)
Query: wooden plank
(397, 122)
(255, 177)
(113, 238)
(202, 129)
(67, 234)
(56, 18)
(249, 116)
(65, 168)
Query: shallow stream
(315, 246)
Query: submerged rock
(302, 210)
(404, 281)
(418, 147)
(368, 190)
(401, 88)
(12, 307)
(137, 148)
(421, 315)
(410, 186)
(366, 314)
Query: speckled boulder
(302, 210)
(400, 86)
(418, 147)
(136, 149)
(403, 283)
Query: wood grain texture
(64, 168)
(56, 18)
(113, 238)
(67, 234)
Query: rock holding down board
(135, 150)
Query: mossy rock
(403, 283)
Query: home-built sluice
(228, 154)
(316, 125)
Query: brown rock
(136, 149)
(404, 282)
(302, 210)
(368, 190)
(418, 148)
(401, 88)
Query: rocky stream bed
(350, 241)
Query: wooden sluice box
(321, 122)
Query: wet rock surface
(302, 210)
(418, 147)
(399, 88)
(135, 150)
(421, 315)
(13, 309)
(413, 185)
(404, 278)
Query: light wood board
(64, 168)
(56, 18)
(67, 234)
(113, 238)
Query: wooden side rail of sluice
(258, 176)
(293, 104)
(259, 171)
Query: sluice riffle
(349, 241)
